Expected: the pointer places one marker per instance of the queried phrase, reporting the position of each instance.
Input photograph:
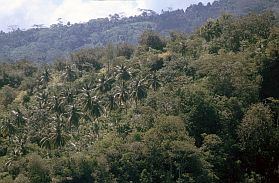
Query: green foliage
(228, 75)
(55, 42)
(152, 40)
(22, 179)
(7, 95)
(270, 83)
(154, 63)
(8, 179)
(214, 148)
(169, 144)
(200, 107)
(211, 30)
(272, 47)
(87, 59)
(255, 129)
(37, 170)
(77, 167)
(200, 113)
(125, 50)
(256, 133)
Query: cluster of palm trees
(15, 128)
(57, 114)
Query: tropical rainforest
(42, 44)
(200, 107)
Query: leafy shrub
(38, 171)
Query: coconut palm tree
(104, 84)
(139, 90)
(154, 82)
(43, 99)
(18, 117)
(93, 109)
(20, 145)
(74, 115)
(122, 73)
(55, 138)
(91, 105)
(57, 105)
(69, 74)
(87, 87)
(45, 77)
(68, 95)
(110, 102)
(97, 109)
(86, 100)
(121, 94)
(7, 128)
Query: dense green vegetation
(189, 108)
(41, 44)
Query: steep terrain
(46, 44)
(201, 107)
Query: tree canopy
(200, 107)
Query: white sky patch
(82, 11)
(25, 13)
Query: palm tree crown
(122, 73)
(139, 90)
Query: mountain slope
(46, 44)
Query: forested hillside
(200, 107)
(46, 44)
